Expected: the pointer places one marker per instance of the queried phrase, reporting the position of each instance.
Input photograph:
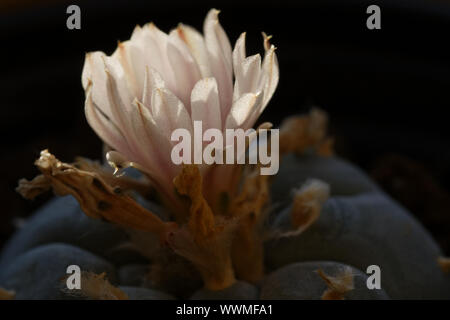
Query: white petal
(92, 65)
(242, 110)
(118, 99)
(238, 59)
(145, 122)
(239, 52)
(130, 57)
(169, 112)
(142, 123)
(247, 76)
(205, 104)
(155, 148)
(186, 69)
(256, 111)
(137, 33)
(103, 126)
(217, 36)
(94, 74)
(270, 75)
(117, 93)
(154, 43)
(219, 52)
(196, 44)
(152, 81)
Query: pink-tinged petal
(137, 33)
(186, 69)
(239, 52)
(145, 122)
(152, 81)
(169, 112)
(182, 47)
(205, 104)
(154, 43)
(238, 58)
(155, 148)
(140, 121)
(242, 111)
(270, 73)
(256, 111)
(130, 56)
(103, 126)
(196, 44)
(247, 70)
(218, 36)
(95, 76)
(93, 64)
(247, 76)
(117, 92)
(118, 99)
(219, 52)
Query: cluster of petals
(156, 82)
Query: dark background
(386, 91)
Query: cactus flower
(155, 83)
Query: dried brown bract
(97, 198)
(308, 132)
(338, 285)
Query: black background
(386, 91)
